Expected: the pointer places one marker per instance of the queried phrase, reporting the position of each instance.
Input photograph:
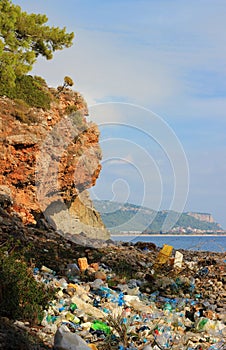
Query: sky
(154, 76)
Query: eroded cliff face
(48, 159)
(206, 217)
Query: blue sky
(169, 58)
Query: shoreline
(167, 235)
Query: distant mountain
(120, 217)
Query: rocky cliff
(206, 217)
(48, 158)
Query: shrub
(21, 296)
(71, 109)
(29, 89)
(21, 104)
(23, 113)
(21, 116)
(68, 81)
(40, 80)
(32, 92)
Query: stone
(100, 275)
(65, 340)
(95, 266)
(41, 164)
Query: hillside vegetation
(129, 217)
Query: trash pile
(175, 306)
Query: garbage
(95, 266)
(92, 346)
(47, 270)
(164, 254)
(218, 346)
(65, 340)
(172, 309)
(203, 272)
(72, 271)
(87, 308)
(178, 260)
(100, 275)
(96, 284)
(100, 326)
(83, 264)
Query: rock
(51, 162)
(95, 266)
(100, 275)
(65, 340)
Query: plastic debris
(178, 260)
(47, 270)
(164, 254)
(83, 264)
(171, 314)
(100, 326)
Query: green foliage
(117, 323)
(71, 109)
(20, 112)
(29, 89)
(21, 104)
(23, 112)
(68, 81)
(136, 218)
(21, 296)
(41, 81)
(23, 37)
(130, 217)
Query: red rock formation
(49, 156)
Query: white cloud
(103, 69)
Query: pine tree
(23, 37)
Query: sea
(215, 243)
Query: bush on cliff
(30, 89)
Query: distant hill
(120, 217)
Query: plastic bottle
(162, 341)
(36, 271)
(73, 307)
(167, 307)
(218, 346)
(201, 324)
(121, 299)
(100, 326)
(148, 347)
(47, 270)
(121, 347)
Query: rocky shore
(118, 296)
